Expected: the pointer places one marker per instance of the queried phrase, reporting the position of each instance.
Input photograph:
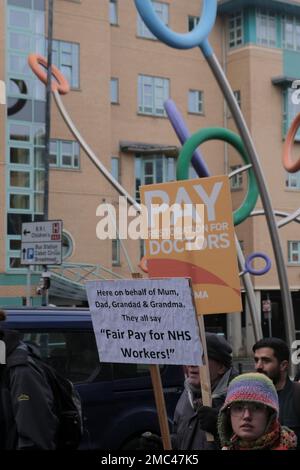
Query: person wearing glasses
(248, 420)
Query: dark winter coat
(187, 433)
(289, 407)
(27, 420)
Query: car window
(73, 354)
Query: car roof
(47, 316)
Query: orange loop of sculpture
(288, 164)
(60, 83)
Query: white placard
(149, 321)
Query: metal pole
(48, 126)
(48, 110)
(289, 321)
(92, 156)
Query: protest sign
(212, 264)
(149, 321)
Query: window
(73, 354)
(64, 154)
(19, 156)
(113, 12)
(37, 4)
(19, 201)
(195, 104)
(114, 90)
(236, 182)
(235, 29)
(192, 22)
(19, 179)
(115, 168)
(293, 180)
(66, 58)
(153, 169)
(291, 33)
(266, 28)
(116, 252)
(162, 11)
(152, 92)
(294, 252)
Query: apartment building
(120, 76)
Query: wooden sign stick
(204, 374)
(159, 398)
(160, 406)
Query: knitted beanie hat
(252, 387)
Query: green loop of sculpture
(219, 133)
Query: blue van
(118, 400)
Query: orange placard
(213, 269)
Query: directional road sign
(42, 242)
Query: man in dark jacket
(27, 419)
(192, 420)
(272, 356)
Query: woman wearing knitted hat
(248, 420)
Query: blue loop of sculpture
(178, 40)
(183, 135)
(257, 272)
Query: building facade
(120, 76)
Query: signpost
(41, 244)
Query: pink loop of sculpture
(60, 84)
(287, 148)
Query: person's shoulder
(19, 356)
(296, 388)
(233, 373)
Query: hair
(280, 348)
(2, 315)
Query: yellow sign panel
(213, 268)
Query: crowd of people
(256, 410)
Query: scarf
(276, 438)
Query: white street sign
(42, 242)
